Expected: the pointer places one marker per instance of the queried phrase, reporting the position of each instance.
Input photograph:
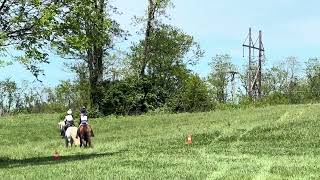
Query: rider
(68, 121)
(84, 120)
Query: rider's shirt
(68, 120)
(83, 119)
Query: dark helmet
(83, 110)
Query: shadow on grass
(6, 162)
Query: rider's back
(83, 119)
(68, 119)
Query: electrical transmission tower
(254, 75)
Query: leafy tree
(85, 31)
(2, 96)
(26, 26)
(159, 61)
(66, 93)
(220, 67)
(156, 9)
(9, 88)
(18, 98)
(172, 50)
(275, 80)
(313, 78)
(122, 97)
(192, 97)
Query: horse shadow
(6, 162)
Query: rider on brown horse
(83, 121)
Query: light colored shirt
(68, 118)
(83, 119)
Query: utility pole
(249, 67)
(261, 49)
(254, 74)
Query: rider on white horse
(68, 120)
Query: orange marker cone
(189, 139)
(56, 156)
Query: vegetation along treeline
(154, 74)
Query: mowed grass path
(278, 142)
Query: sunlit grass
(275, 142)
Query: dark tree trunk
(146, 51)
(96, 75)
(95, 58)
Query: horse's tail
(73, 132)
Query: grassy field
(278, 142)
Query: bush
(194, 96)
(94, 113)
(122, 98)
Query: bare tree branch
(2, 5)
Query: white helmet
(69, 111)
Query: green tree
(172, 51)
(159, 61)
(9, 88)
(275, 80)
(193, 96)
(313, 78)
(86, 32)
(220, 67)
(156, 9)
(26, 26)
(66, 94)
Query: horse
(70, 136)
(85, 135)
(61, 126)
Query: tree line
(154, 74)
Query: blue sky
(290, 28)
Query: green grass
(278, 142)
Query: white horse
(70, 134)
(61, 126)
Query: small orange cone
(56, 156)
(189, 139)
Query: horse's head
(61, 125)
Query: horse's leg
(71, 141)
(66, 142)
(81, 142)
(85, 139)
(90, 143)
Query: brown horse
(85, 134)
